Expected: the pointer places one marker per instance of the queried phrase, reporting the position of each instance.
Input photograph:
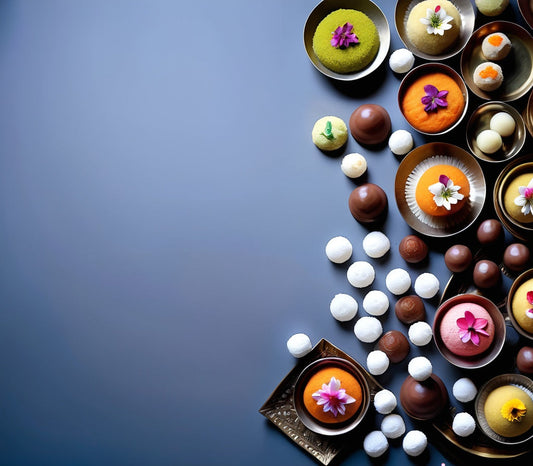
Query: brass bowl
(479, 121)
(516, 167)
(520, 381)
(526, 9)
(444, 226)
(423, 70)
(527, 114)
(324, 8)
(492, 352)
(517, 67)
(524, 277)
(468, 18)
(330, 429)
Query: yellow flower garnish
(514, 410)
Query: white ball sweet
(398, 281)
(375, 444)
(401, 61)
(376, 244)
(299, 345)
(415, 442)
(503, 124)
(353, 165)
(427, 285)
(401, 142)
(368, 329)
(420, 368)
(376, 303)
(489, 141)
(343, 307)
(463, 424)
(464, 390)
(393, 426)
(385, 402)
(420, 333)
(361, 274)
(339, 249)
(377, 362)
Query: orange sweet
(348, 382)
(424, 197)
(495, 40)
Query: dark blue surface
(163, 217)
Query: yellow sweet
(511, 194)
(504, 403)
(520, 305)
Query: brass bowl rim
(524, 276)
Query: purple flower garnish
(343, 36)
(434, 98)
(333, 397)
(471, 328)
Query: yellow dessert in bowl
(509, 411)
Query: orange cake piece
(426, 189)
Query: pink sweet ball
(449, 330)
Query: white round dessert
(415, 442)
(368, 329)
(385, 402)
(343, 307)
(377, 362)
(488, 76)
(375, 444)
(463, 424)
(398, 281)
(420, 333)
(376, 303)
(339, 249)
(353, 165)
(503, 123)
(401, 61)
(299, 345)
(361, 274)
(464, 390)
(393, 426)
(427, 285)
(489, 141)
(496, 46)
(376, 244)
(401, 142)
(420, 368)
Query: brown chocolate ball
(524, 360)
(367, 203)
(458, 258)
(370, 124)
(423, 400)
(413, 249)
(516, 257)
(486, 274)
(489, 232)
(410, 309)
(395, 345)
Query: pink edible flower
(333, 397)
(344, 36)
(471, 328)
(529, 312)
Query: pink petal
(470, 319)
(444, 180)
(475, 338)
(480, 323)
(461, 323)
(466, 337)
(437, 8)
(482, 332)
(530, 297)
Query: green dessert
(329, 133)
(346, 41)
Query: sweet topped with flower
(518, 196)
(445, 193)
(529, 312)
(343, 36)
(436, 20)
(514, 410)
(522, 305)
(471, 328)
(509, 411)
(434, 98)
(525, 198)
(333, 398)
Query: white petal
(439, 200)
(452, 200)
(436, 189)
(526, 209)
(445, 27)
(520, 201)
(446, 203)
(458, 196)
(425, 21)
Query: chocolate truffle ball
(367, 203)
(516, 257)
(486, 274)
(423, 400)
(370, 124)
(410, 309)
(413, 249)
(395, 345)
(458, 258)
(489, 232)
(524, 360)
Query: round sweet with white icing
(375, 444)
(398, 281)
(464, 390)
(299, 345)
(353, 165)
(420, 333)
(361, 274)
(415, 442)
(401, 142)
(503, 123)
(489, 141)
(376, 244)
(377, 362)
(385, 401)
(401, 60)
(393, 426)
(420, 368)
(376, 303)
(427, 285)
(368, 329)
(463, 424)
(339, 249)
(343, 307)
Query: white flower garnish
(445, 193)
(436, 21)
(525, 200)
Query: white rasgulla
(353, 165)
(401, 142)
(375, 444)
(420, 333)
(415, 442)
(420, 368)
(401, 60)
(464, 390)
(376, 244)
(489, 141)
(393, 426)
(398, 281)
(339, 249)
(463, 424)
(368, 329)
(361, 274)
(385, 402)
(299, 345)
(503, 124)
(427, 285)
(376, 303)
(377, 362)
(343, 307)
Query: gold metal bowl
(468, 18)
(517, 67)
(479, 121)
(527, 114)
(324, 8)
(492, 352)
(518, 380)
(524, 277)
(526, 9)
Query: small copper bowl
(309, 421)
(521, 279)
(491, 353)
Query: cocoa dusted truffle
(458, 258)
(423, 400)
(516, 257)
(368, 203)
(486, 274)
(489, 232)
(410, 309)
(524, 360)
(370, 124)
(395, 345)
(413, 249)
